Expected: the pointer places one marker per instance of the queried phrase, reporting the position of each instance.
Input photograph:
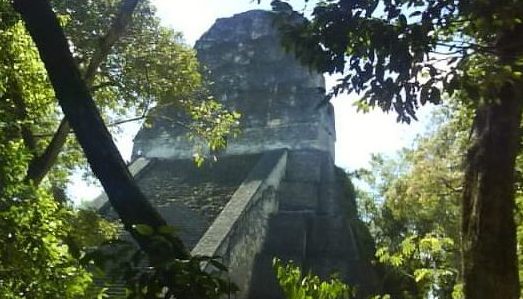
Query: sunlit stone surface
(277, 97)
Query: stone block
(296, 196)
(332, 198)
(287, 235)
(331, 236)
(304, 166)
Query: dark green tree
(79, 108)
(399, 55)
(174, 273)
(413, 209)
(130, 64)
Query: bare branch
(103, 85)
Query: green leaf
(167, 230)
(143, 229)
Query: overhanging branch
(40, 165)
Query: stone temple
(275, 191)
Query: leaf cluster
(149, 66)
(121, 261)
(399, 55)
(296, 285)
(412, 209)
(41, 239)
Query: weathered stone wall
(187, 196)
(237, 234)
(292, 205)
(313, 228)
(277, 96)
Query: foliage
(24, 88)
(401, 54)
(169, 271)
(36, 261)
(430, 259)
(149, 66)
(122, 261)
(413, 209)
(296, 285)
(39, 245)
(43, 238)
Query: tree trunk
(489, 232)
(40, 165)
(15, 93)
(94, 138)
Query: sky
(358, 135)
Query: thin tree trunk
(489, 231)
(40, 165)
(79, 108)
(110, 38)
(15, 93)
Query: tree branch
(15, 93)
(80, 109)
(40, 165)
(111, 37)
(103, 85)
(113, 124)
